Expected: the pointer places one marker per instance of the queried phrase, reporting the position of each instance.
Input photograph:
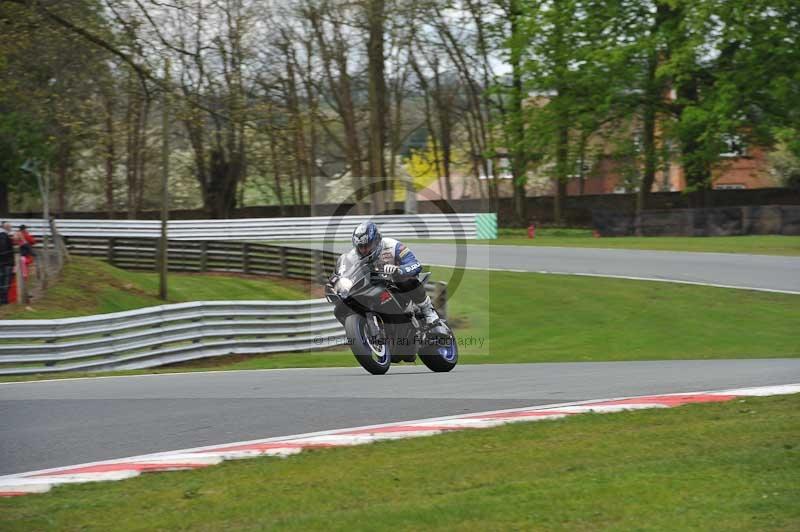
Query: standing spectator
(6, 261)
(26, 241)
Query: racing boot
(430, 315)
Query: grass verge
(89, 286)
(553, 318)
(582, 238)
(507, 317)
(728, 466)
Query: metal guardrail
(467, 226)
(208, 256)
(166, 334)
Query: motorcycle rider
(391, 257)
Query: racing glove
(391, 269)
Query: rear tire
(440, 359)
(373, 358)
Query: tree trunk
(518, 154)
(377, 103)
(300, 147)
(141, 154)
(132, 120)
(443, 112)
(224, 174)
(110, 157)
(276, 170)
(341, 88)
(313, 138)
(396, 142)
(649, 149)
(3, 199)
(653, 96)
(62, 171)
(562, 172)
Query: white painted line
(185, 459)
(677, 281)
(171, 374)
(763, 391)
(603, 409)
(626, 277)
(452, 267)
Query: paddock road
(764, 272)
(59, 423)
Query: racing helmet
(367, 240)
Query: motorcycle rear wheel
(440, 359)
(373, 357)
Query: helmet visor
(366, 249)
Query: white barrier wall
(467, 226)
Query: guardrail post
(284, 269)
(112, 242)
(246, 257)
(204, 255)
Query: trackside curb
(119, 469)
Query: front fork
(373, 325)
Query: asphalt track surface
(764, 272)
(59, 423)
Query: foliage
(21, 139)
(266, 98)
(785, 162)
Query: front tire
(440, 358)
(373, 357)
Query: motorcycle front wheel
(374, 356)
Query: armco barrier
(166, 334)
(465, 226)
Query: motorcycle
(382, 326)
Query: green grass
(756, 244)
(528, 317)
(554, 318)
(89, 286)
(730, 466)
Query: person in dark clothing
(6, 261)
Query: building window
(734, 146)
(729, 186)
